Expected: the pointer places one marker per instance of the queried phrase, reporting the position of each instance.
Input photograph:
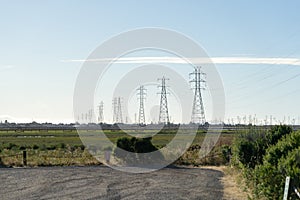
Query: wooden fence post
(24, 158)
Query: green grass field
(65, 147)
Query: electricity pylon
(90, 115)
(100, 110)
(198, 114)
(115, 108)
(163, 109)
(119, 117)
(141, 97)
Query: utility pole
(163, 109)
(141, 97)
(100, 110)
(198, 114)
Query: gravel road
(98, 182)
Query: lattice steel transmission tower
(141, 97)
(115, 108)
(90, 115)
(163, 109)
(100, 110)
(119, 117)
(198, 114)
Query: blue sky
(38, 37)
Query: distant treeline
(19, 127)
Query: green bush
(81, 147)
(10, 146)
(226, 153)
(22, 148)
(266, 158)
(270, 179)
(135, 145)
(249, 148)
(290, 166)
(282, 148)
(61, 145)
(51, 147)
(280, 161)
(276, 133)
(43, 147)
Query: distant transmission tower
(198, 115)
(115, 108)
(90, 115)
(141, 97)
(100, 110)
(163, 110)
(119, 118)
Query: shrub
(11, 146)
(276, 133)
(250, 147)
(81, 146)
(281, 159)
(282, 148)
(51, 147)
(43, 147)
(135, 145)
(270, 179)
(290, 166)
(266, 159)
(61, 145)
(22, 148)
(226, 153)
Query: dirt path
(104, 183)
(232, 186)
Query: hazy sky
(255, 45)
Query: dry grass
(57, 157)
(234, 188)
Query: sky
(255, 46)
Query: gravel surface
(100, 182)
